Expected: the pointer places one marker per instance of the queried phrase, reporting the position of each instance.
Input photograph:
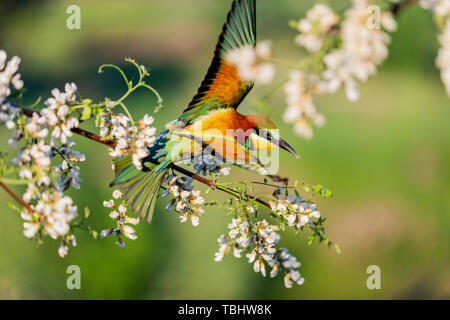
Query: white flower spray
(43, 137)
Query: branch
(15, 197)
(396, 8)
(112, 144)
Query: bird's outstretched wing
(222, 86)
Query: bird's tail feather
(140, 188)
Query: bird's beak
(284, 145)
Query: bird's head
(266, 135)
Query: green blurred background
(386, 157)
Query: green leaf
(13, 206)
(87, 212)
(293, 24)
(86, 114)
(338, 250)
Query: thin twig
(15, 197)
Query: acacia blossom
(186, 199)
(123, 221)
(259, 239)
(363, 49)
(52, 215)
(315, 26)
(57, 114)
(68, 170)
(295, 211)
(301, 109)
(134, 140)
(8, 75)
(253, 63)
(440, 8)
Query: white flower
(130, 140)
(224, 248)
(122, 220)
(301, 109)
(237, 251)
(68, 170)
(443, 57)
(30, 229)
(8, 75)
(53, 214)
(57, 113)
(185, 198)
(314, 28)
(440, 8)
(122, 209)
(129, 232)
(63, 250)
(252, 63)
(363, 49)
(117, 194)
(105, 233)
(36, 126)
(297, 213)
(225, 171)
(114, 214)
(26, 174)
(195, 220)
(109, 204)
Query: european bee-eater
(210, 121)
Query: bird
(209, 122)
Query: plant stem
(16, 198)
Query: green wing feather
(140, 188)
(238, 31)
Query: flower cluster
(207, 165)
(259, 240)
(52, 215)
(9, 78)
(9, 75)
(185, 199)
(441, 12)
(440, 8)
(8, 116)
(68, 171)
(285, 261)
(130, 139)
(47, 211)
(363, 49)
(123, 221)
(296, 212)
(52, 212)
(253, 63)
(301, 109)
(34, 163)
(57, 114)
(315, 27)
(349, 50)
